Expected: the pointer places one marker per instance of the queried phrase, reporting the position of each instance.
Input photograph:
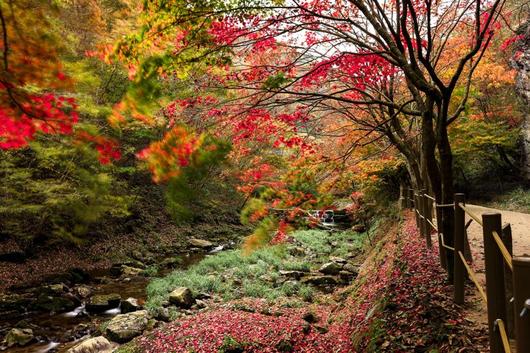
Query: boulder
(93, 345)
(318, 280)
(129, 305)
(102, 302)
(163, 314)
(330, 268)
(200, 243)
(346, 276)
(181, 297)
(124, 327)
(19, 337)
(53, 304)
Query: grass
(517, 200)
(232, 274)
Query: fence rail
(507, 292)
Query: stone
(330, 268)
(292, 274)
(346, 276)
(19, 337)
(359, 228)
(351, 268)
(321, 329)
(128, 271)
(338, 260)
(201, 304)
(53, 304)
(83, 291)
(284, 346)
(200, 243)
(129, 305)
(297, 251)
(93, 345)
(163, 314)
(115, 270)
(318, 280)
(310, 317)
(102, 302)
(124, 327)
(181, 297)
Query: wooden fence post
(442, 250)
(494, 279)
(521, 293)
(506, 237)
(459, 268)
(417, 209)
(427, 216)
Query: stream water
(62, 331)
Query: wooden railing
(507, 293)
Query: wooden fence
(507, 292)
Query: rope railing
(442, 240)
(505, 253)
(504, 336)
(473, 277)
(507, 284)
(470, 214)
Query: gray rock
(181, 297)
(297, 251)
(350, 268)
(93, 345)
(346, 276)
(318, 280)
(53, 304)
(292, 274)
(163, 314)
(101, 302)
(330, 268)
(19, 337)
(338, 260)
(124, 327)
(129, 305)
(200, 243)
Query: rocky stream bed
(68, 308)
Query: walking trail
(520, 224)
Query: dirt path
(520, 222)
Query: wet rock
(203, 296)
(129, 271)
(93, 345)
(124, 327)
(201, 304)
(53, 304)
(83, 291)
(181, 297)
(292, 274)
(129, 305)
(318, 280)
(19, 337)
(170, 262)
(115, 270)
(102, 302)
(330, 268)
(15, 302)
(200, 243)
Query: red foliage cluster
(108, 149)
(45, 113)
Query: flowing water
(62, 331)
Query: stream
(59, 332)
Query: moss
(130, 347)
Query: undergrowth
(233, 274)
